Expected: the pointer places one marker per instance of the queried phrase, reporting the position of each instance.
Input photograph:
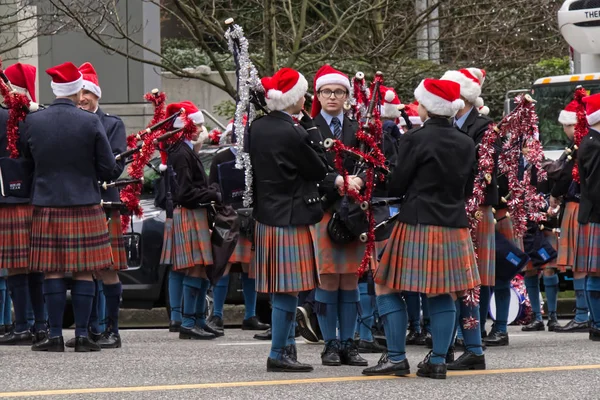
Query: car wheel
(263, 311)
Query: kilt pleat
(166, 256)
(334, 258)
(117, 241)
(284, 259)
(15, 235)
(191, 238)
(486, 247)
(428, 259)
(567, 243)
(70, 239)
(587, 257)
(505, 227)
(242, 252)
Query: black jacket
(588, 158)
(71, 154)
(21, 146)
(231, 180)
(286, 169)
(115, 132)
(192, 183)
(475, 126)
(435, 171)
(564, 185)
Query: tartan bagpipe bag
(16, 177)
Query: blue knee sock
(581, 300)
(94, 315)
(101, 299)
(532, 284)
(36, 295)
(392, 310)
(593, 288)
(7, 308)
(456, 320)
(349, 303)
(282, 316)
(443, 316)
(29, 314)
(219, 295)
(191, 290)
(485, 295)
(326, 304)
(18, 286)
(413, 308)
(55, 293)
(502, 294)
(176, 294)
(201, 304)
(112, 293)
(2, 299)
(469, 326)
(425, 307)
(366, 318)
(82, 295)
(291, 340)
(249, 290)
(551, 287)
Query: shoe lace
(332, 347)
(351, 347)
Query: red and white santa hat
(22, 78)
(592, 108)
(483, 109)
(90, 79)
(327, 75)
(191, 111)
(66, 79)
(163, 157)
(391, 102)
(568, 116)
(284, 88)
(440, 97)
(413, 114)
(470, 81)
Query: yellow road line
(223, 385)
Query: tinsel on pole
(581, 128)
(359, 96)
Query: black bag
(16, 177)
(233, 183)
(510, 260)
(164, 187)
(225, 233)
(247, 223)
(537, 246)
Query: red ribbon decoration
(581, 128)
(18, 107)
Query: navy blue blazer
(115, 131)
(71, 154)
(21, 146)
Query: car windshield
(551, 99)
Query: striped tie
(337, 127)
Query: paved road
(155, 364)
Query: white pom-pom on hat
(162, 167)
(33, 106)
(389, 95)
(478, 102)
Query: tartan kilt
(587, 256)
(485, 235)
(505, 227)
(284, 259)
(191, 238)
(117, 241)
(333, 258)
(553, 240)
(15, 235)
(70, 239)
(428, 259)
(242, 252)
(166, 256)
(567, 243)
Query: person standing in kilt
(587, 258)
(287, 166)
(430, 249)
(69, 234)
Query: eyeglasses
(338, 93)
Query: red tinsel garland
(18, 105)
(215, 136)
(359, 97)
(581, 128)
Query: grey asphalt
(154, 357)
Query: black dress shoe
(534, 326)
(53, 345)
(386, 367)
(433, 371)
(370, 347)
(420, 340)
(94, 337)
(39, 336)
(174, 326)
(266, 335)
(110, 340)
(304, 324)
(84, 345)
(286, 364)
(17, 339)
(210, 328)
(331, 354)
(195, 333)
(2, 330)
(351, 356)
(291, 351)
(595, 334)
(253, 324)
(216, 322)
(449, 357)
(552, 323)
(412, 336)
(468, 361)
(428, 341)
(573, 326)
(496, 338)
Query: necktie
(337, 127)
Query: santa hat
(284, 88)
(163, 157)
(66, 79)
(191, 111)
(391, 102)
(327, 75)
(413, 114)
(22, 78)
(440, 97)
(470, 81)
(90, 79)
(592, 108)
(483, 109)
(568, 116)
